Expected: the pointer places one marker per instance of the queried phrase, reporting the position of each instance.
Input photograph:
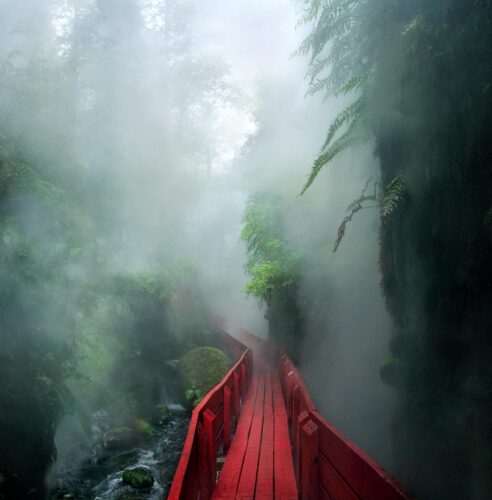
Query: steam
(153, 122)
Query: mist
(152, 160)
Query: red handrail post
(295, 411)
(227, 418)
(301, 420)
(203, 466)
(237, 406)
(209, 419)
(309, 461)
(290, 386)
(243, 380)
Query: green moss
(144, 429)
(138, 478)
(201, 370)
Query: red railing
(211, 426)
(328, 465)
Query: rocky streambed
(131, 462)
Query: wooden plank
(362, 473)
(203, 465)
(227, 418)
(309, 461)
(229, 476)
(264, 482)
(209, 426)
(332, 482)
(247, 481)
(237, 396)
(285, 487)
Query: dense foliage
(274, 268)
(93, 297)
(419, 76)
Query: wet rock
(128, 495)
(162, 415)
(144, 429)
(120, 438)
(139, 478)
(201, 370)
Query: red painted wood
(365, 477)
(264, 481)
(284, 478)
(227, 418)
(301, 420)
(237, 397)
(309, 461)
(189, 475)
(295, 412)
(209, 426)
(229, 477)
(247, 481)
(203, 466)
(244, 381)
(259, 461)
(331, 481)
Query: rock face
(201, 370)
(139, 478)
(120, 438)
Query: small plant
(387, 199)
(194, 394)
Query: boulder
(139, 478)
(201, 370)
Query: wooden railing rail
(211, 427)
(328, 465)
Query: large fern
(335, 71)
(386, 199)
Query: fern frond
(311, 13)
(353, 84)
(327, 84)
(317, 67)
(352, 136)
(392, 197)
(334, 21)
(350, 113)
(361, 200)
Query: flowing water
(99, 476)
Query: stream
(99, 475)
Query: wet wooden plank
(264, 482)
(247, 482)
(284, 480)
(231, 471)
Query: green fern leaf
(352, 136)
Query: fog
(161, 120)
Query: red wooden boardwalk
(276, 444)
(259, 463)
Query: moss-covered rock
(144, 429)
(201, 370)
(139, 478)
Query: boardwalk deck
(259, 463)
(277, 426)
